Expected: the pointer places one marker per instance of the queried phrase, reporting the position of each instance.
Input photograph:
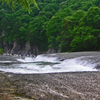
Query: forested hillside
(68, 25)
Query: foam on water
(7, 61)
(45, 58)
(36, 65)
(27, 59)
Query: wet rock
(97, 67)
(7, 58)
(57, 86)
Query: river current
(45, 64)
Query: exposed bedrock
(59, 86)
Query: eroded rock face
(27, 48)
(14, 47)
(35, 50)
(17, 49)
(5, 46)
(52, 50)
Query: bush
(1, 51)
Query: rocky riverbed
(56, 86)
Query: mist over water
(44, 64)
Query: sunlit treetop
(24, 3)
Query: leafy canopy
(24, 3)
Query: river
(52, 63)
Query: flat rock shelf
(59, 86)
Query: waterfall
(48, 64)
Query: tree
(24, 3)
(77, 44)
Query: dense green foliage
(1, 51)
(71, 25)
(24, 3)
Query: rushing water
(44, 64)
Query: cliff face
(16, 48)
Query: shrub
(1, 51)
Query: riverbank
(57, 86)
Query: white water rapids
(44, 64)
